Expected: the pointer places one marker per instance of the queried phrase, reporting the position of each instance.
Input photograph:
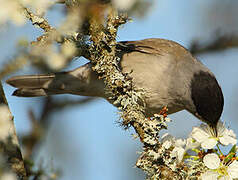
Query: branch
(13, 65)
(9, 145)
(155, 160)
(37, 20)
(117, 87)
(219, 44)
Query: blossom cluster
(11, 11)
(204, 148)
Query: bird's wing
(153, 46)
(136, 46)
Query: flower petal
(191, 144)
(167, 144)
(228, 137)
(210, 143)
(209, 175)
(199, 134)
(233, 169)
(167, 137)
(180, 142)
(178, 152)
(212, 161)
(225, 140)
(223, 178)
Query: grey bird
(166, 71)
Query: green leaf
(231, 154)
(233, 150)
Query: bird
(168, 73)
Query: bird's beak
(214, 130)
(212, 126)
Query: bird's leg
(164, 111)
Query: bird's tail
(31, 85)
(81, 81)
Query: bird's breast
(154, 76)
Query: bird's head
(207, 98)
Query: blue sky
(85, 141)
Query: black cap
(207, 97)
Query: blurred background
(83, 140)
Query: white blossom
(123, 5)
(8, 176)
(40, 6)
(212, 161)
(178, 152)
(167, 144)
(55, 61)
(218, 170)
(10, 11)
(167, 140)
(68, 49)
(210, 175)
(4, 113)
(180, 146)
(205, 135)
(5, 122)
(6, 125)
(225, 135)
(233, 169)
(191, 144)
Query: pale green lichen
(154, 160)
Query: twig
(60, 1)
(37, 20)
(9, 145)
(13, 65)
(219, 44)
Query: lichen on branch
(128, 99)
(105, 60)
(9, 145)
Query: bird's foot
(164, 111)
